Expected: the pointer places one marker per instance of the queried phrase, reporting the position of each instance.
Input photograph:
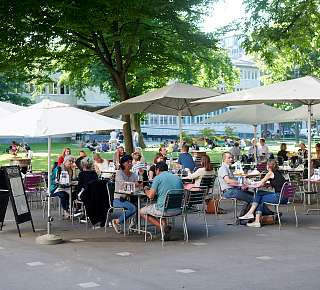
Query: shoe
(77, 214)
(132, 223)
(254, 225)
(116, 227)
(247, 216)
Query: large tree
(119, 34)
(286, 35)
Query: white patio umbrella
(48, 119)
(305, 90)
(8, 108)
(175, 99)
(248, 114)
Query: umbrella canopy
(49, 118)
(175, 99)
(8, 108)
(305, 90)
(301, 114)
(250, 114)
(168, 100)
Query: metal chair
(287, 192)
(112, 208)
(33, 183)
(195, 203)
(233, 199)
(174, 201)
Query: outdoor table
(312, 181)
(68, 189)
(139, 194)
(290, 169)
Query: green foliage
(186, 138)
(285, 34)
(207, 133)
(229, 131)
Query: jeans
(238, 194)
(130, 209)
(267, 196)
(64, 197)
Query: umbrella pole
(49, 239)
(180, 126)
(49, 184)
(309, 150)
(255, 138)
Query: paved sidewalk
(233, 257)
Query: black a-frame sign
(11, 186)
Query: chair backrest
(33, 182)
(175, 199)
(110, 190)
(196, 196)
(208, 181)
(287, 191)
(262, 166)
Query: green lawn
(39, 162)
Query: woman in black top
(282, 154)
(87, 174)
(276, 180)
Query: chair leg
(185, 227)
(235, 210)
(107, 219)
(145, 228)
(162, 232)
(124, 223)
(295, 214)
(205, 221)
(278, 214)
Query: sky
(222, 13)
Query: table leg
(139, 218)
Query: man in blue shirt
(162, 183)
(185, 159)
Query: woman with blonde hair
(101, 166)
(276, 179)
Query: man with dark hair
(185, 159)
(162, 183)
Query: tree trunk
(135, 124)
(124, 95)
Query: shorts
(152, 210)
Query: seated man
(185, 159)
(162, 183)
(230, 186)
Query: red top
(60, 160)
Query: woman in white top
(205, 170)
(101, 166)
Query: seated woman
(152, 169)
(118, 154)
(59, 181)
(87, 174)
(204, 170)
(276, 181)
(123, 175)
(282, 154)
(138, 151)
(101, 166)
(66, 151)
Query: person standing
(263, 149)
(135, 138)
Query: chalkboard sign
(11, 186)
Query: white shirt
(263, 150)
(113, 135)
